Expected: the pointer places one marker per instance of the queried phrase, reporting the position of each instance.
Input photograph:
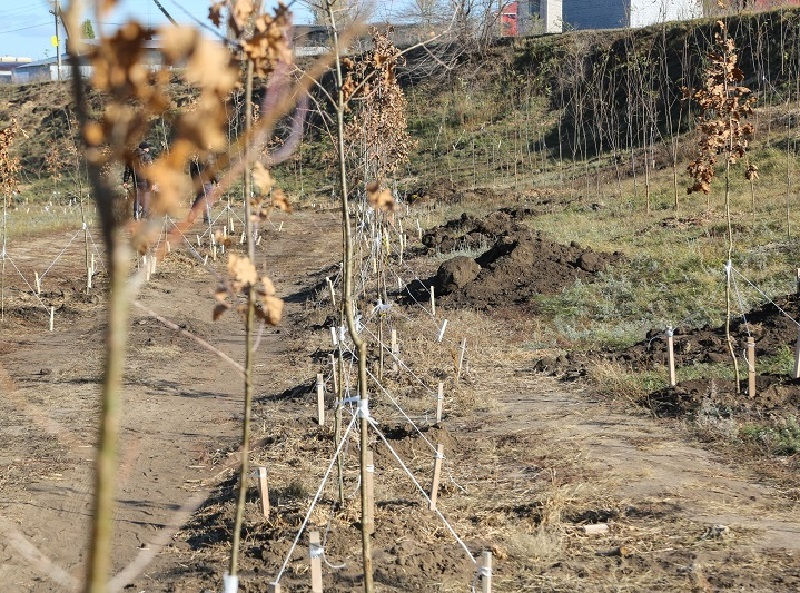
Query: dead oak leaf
(242, 270)
(211, 67)
(267, 287)
(219, 310)
(270, 309)
(177, 42)
(280, 201)
(379, 197)
(215, 13)
(262, 178)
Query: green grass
(782, 437)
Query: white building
(614, 14)
(552, 15)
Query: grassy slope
(489, 123)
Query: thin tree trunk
(99, 562)
(244, 468)
(349, 304)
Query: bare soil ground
(529, 461)
(514, 264)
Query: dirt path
(655, 461)
(181, 408)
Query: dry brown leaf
(280, 201)
(242, 270)
(379, 197)
(215, 13)
(211, 67)
(271, 310)
(268, 286)
(262, 178)
(177, 42)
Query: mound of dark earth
(773, 330)
(469, 232)
(519, 266)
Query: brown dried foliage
(137, 96)
(242, 277)
(9, 164)
(378, 133)
(263, 37)
(724, 104)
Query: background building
(615, 14)
(7, 66)
(530, 17)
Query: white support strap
(231, 583)
(363, 408)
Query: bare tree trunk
(349, 306)
(244, 467)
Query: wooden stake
(52, 314)
(38, 282)
(169, 247)
(486, 573)
(798, 280)
(461, 357)
(671, 355)
(332, 291)
(369, 519)
(258, 240)
(437, 471)
(280, 226)
(796, 371)
(433, 303)
(320, 399)
(263, 489)
(242, 239)
(315, 552)
(395, 351)
(230, 223)
(273, 588)
(595, 529)
(439, 402)
(751, 366)
(199, 241)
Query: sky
(27, 27)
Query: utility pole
(57, 14)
